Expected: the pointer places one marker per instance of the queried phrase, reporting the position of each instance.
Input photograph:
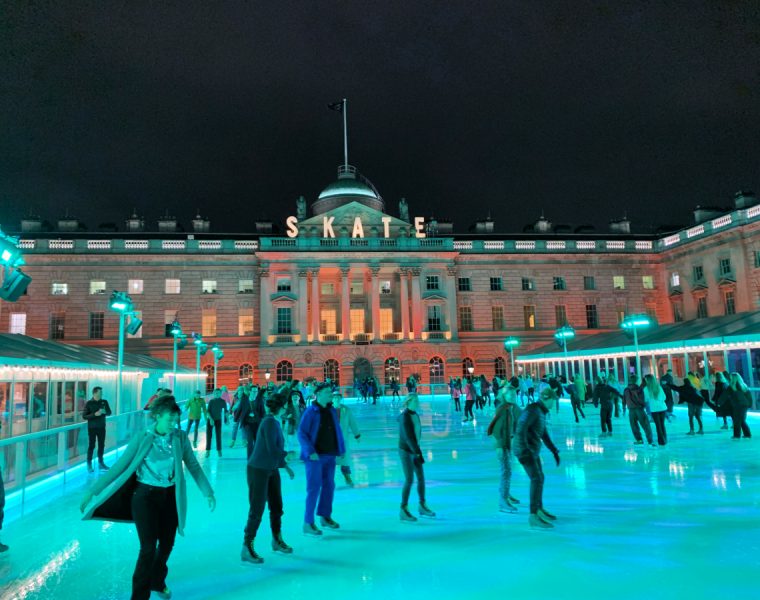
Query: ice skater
(264, 484)
(577, 393)
(502, 428)
(350, 428)
(321, 442)
(196, 408)
(215, 412)
(147, 486)
(689, 394)
(410, 454)
(654, 397)
(740, 400)
(604, 394)
(633, 397)
(95, 412)
(531, 431)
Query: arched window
(245, 373)
(284, 371)
(209, 378)
(332, 371)
(436, 370)
(466, 364)
(392, 369)
(500, 367)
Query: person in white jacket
(347, 423)
(654, 396)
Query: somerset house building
(352, 286)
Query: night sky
(587, 110)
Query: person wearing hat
(348, 424)
(531, 431)
(321, 442)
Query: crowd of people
(310, 421)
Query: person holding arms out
(95, 412)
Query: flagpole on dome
(345, 134)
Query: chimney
(167, 223)
(543, 225)
(201, 225)
(68, 224)
(705, 213)
(620, 225)
(744, 199)
(31, 224)
(135, 223)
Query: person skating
(147, 486)
(502, 428)
(469, 400)
(666, 381)
(95, 412)
(348, 425)
(688, 393)
(321, 442)
(606, 396)
(196, 408)
(577, 393)
(410, 454)
(719, 386)
(215, 412)
(531, 432)
(456, 393)
(655, 397)
(264, 484)
(740, 400)
(249, 414)
(633, 397)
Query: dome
(349, 187)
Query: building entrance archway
(362, 369)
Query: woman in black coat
(687, 393)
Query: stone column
(345, 304)
(265, 310)
(404, 302)
(451, 299)
(375, 301)
(303, 302)
(315, 316)
(416, 303)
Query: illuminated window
(171, 286)
(328, 321)
(328, 289)
(209, 369)
(245, 286)
(386, 321)
(245, 373)
(170, 316)
(392, 370)
(97, 287)
(18, 323)
(529, 315)
(500, 367)
(96, 325)
(357, 288)
(208, 322)
(245, 321)
(436, 370)
(135, 286)
(209, 286)
(675, 280)
(465, 318)
(332, 371)
(59, 289)
(729, 303)
(58, 326)
(284, 370)
(647, 281)
(618, 282)
(357, 320)
(466, 364)
(385, 287)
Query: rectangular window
(465, 318)
(618, 282)
(592, 318)
(757, 259)
(702, 307)
(529, 314)
(463, 284)
(284, 325)
(725, 266)
(699, 273)
(589, 283)
(283, 285)
(209, 286)
(620, 312)
(59, 289)
(560, 315)
(497, 318)
(245, 321)
(137, 314)
(172, 286)
(135, 286)
(328, 289)
(96, 325)
(208, 322)
(357, 320)
(386, 321)
(729, 302)
(675, 280)
(18, 323)
(528, 285)
(558, 283)
(677, 312)
(495, 284)
(434, 318)
(97, 287)
(57, 326)
(357, 289)
(432, 282)
(647, 281)
(245, 286)
(170, 316)
(385, 287)
(328, 321)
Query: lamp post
(563, 335)
(218, 355)
(120, 303)
(176, 332)
(634, 323)
(200, 350)
(267, 375)
(509, 345)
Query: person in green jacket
(196, 408)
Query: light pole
(509, 345)
(218, 355)
(176, 332)
(563, 335)
(634, 323)
(122, 304)
(200, 350)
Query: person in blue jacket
(321, 442)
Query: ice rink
(679, 522)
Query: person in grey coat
(147, 486)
